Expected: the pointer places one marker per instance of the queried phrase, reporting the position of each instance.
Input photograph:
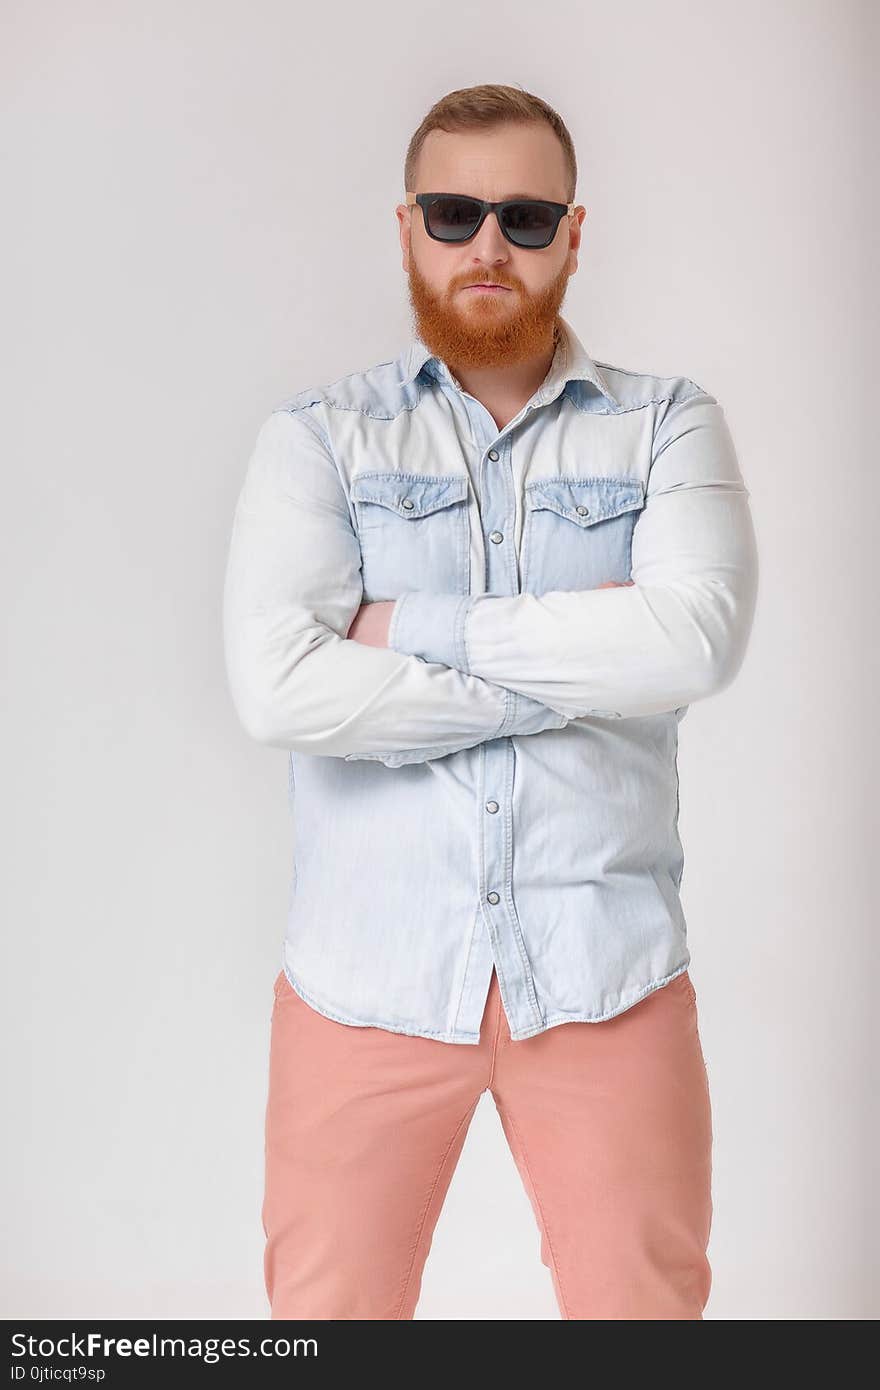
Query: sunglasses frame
(425, 200)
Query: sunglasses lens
(530, 224)
(453, 219)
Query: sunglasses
(454, 217)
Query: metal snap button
(408, 503)
(493, 897)
(496, 537)
(582, 511)
(494, 455)
(492, 806)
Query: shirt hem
(336, 1017)
(516, 1034)
(555, 1020)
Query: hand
(615, 583)
(370, 624)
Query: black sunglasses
(455, 217)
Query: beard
(484, 330)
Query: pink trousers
(609, 1125)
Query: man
(473, 591)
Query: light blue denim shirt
(500, 784)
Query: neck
(505, 390)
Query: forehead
(510, 161)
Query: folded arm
(676, 635)
(292, 587)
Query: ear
(404, 217)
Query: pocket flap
(586, 500)
(409, 494)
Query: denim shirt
(499, 785)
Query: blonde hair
(483, 108)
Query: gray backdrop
(162, 292)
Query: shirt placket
(497, 758)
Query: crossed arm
(372, 622)
(292, 588)
(460, 669)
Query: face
(471, 328)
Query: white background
(198, 221)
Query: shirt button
(496, 537)
(494, 455)
(492, 806)
(408, 503)
(582, 511)
(493, 897)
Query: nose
(490, 243)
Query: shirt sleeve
(676, 635)
(292, 587)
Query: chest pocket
(577, 532)
(413, 532)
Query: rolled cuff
(431, 626)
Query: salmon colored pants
(609, 1125)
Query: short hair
(484, 108)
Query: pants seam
(421, 1225)
(544, 1222)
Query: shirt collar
(571, 362)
